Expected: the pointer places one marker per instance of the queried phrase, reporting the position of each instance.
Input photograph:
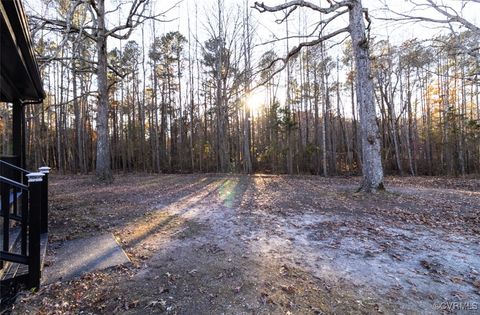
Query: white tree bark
(103, 170)
(370, 135)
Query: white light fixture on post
(35, 177)
(44, 169)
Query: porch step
(14, 239)
(13, 275)
(13, 269)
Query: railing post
(24, 216)
(44, 227)
(5, 195)
(34, 222)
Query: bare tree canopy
(87, 19)
(372, 165)
(327, 88)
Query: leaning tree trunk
(372, 162)
(103, 170)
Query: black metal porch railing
(24, 212)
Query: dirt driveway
(212, 244)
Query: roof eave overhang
(19, 73)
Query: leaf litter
(263, 244)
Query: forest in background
(179, 104)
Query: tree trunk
(103, 170)
(247, 162)
(372, 163)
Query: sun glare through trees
(255, 102)
(239, 157)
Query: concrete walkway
(77, 257)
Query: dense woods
(217, 101)
(239, 157)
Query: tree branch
(261, 7)
(292, 53)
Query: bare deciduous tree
(97, 31)
(372, 164)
